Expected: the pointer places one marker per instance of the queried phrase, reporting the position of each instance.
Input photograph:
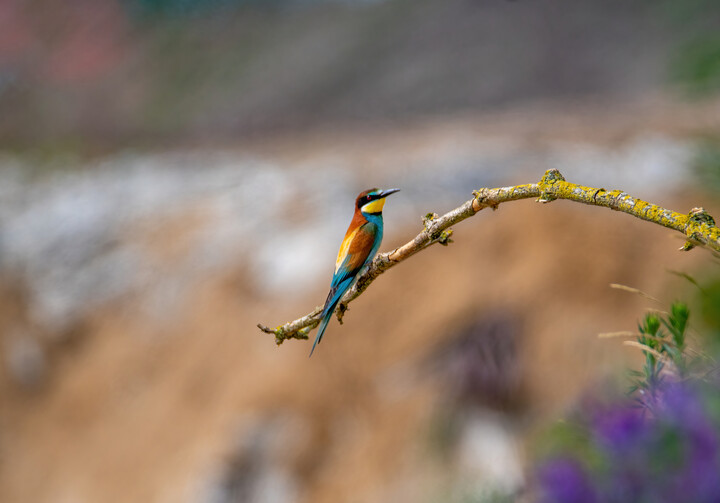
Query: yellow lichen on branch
(698, 227)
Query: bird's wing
(354, 253)
(345, 248)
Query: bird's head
(371, 201)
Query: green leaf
(651, 324)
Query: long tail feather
(330, 304)
(321, 330)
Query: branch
(697, 226)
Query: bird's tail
(331, 303)
(321, 328)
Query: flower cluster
(659, 445)
(625, 453)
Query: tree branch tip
(266, 329)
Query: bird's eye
(368, 197)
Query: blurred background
(173, 172)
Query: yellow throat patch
(375, 206)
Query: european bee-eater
(357, 250)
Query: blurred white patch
(646, 165)
(489, 453)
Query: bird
(358, 248)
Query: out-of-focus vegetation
(660, 443)
(710, 311)
(695, 61)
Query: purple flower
(619, 429)
(563, 480)
(665, 452)
(678, 403)
(681, 410)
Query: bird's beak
(386, 193)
